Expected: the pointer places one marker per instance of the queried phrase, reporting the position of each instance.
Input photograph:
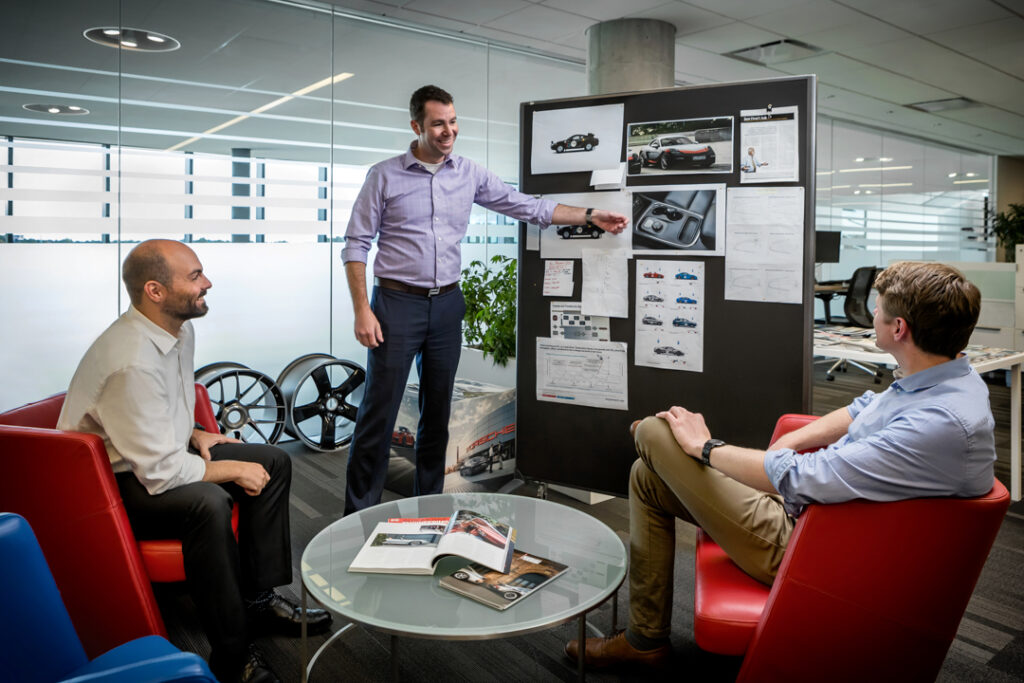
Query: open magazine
(415, 546)
(502, 590)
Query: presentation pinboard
(756, 361)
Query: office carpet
(989, 646)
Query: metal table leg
(581, 636)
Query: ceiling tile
(1005, 122)
(734, 36)
(865, 32)
(476, 12)
(930, 16)
(687, 19)
(698, 66)
(819, 15)
(849, 74)
(602, 10)
(540, 22)
(744, 9)
(970, 39)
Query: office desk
(825, 292)
(983, 359)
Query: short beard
(186, 310)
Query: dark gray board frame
(756, 355)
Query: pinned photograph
(687, 218)
(576, 139)
(680, 146)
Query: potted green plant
(490, 322)
(1008, 227)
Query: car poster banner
(576, 139)
(679, 146)
(570, 241)
(668, 218)
(670, 315)
(769, 149)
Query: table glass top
(419, 606)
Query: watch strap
(590, 215)
(705, 453)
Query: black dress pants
(218, 570)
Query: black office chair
(855, 306)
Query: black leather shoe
(256, 669)
(281, 615)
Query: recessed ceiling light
(138, 39)
(58, 109)
(858, 159)
(933, 106)
(885, 158)
(776, 52)
(952, 175)
(971, 175)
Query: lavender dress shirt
(419, 218)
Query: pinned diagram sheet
(765, 253)
(558, 278)
(670, 315)
(571, 241)
(582, 373)
(769, 145)
(605, 284)
(569, 322)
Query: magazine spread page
(527, 574)
(414, 546)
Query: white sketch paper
(558, 278)
(582, 373)
(769, 145)
(569, 322)
(670, 315)
(571, 241)
(605, 284)
(679, 218)
(765, 254)
(576, 139)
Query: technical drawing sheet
(583, 373)
(765, 251)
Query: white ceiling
(878, 55)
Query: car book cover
(502, 590)
(415, 546)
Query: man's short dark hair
(940, 305)
(425, 94)
(145, 262)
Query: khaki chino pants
(665, 483)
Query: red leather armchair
(62, 483)
(865, 591)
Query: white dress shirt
(135, 388)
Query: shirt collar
(409, 159)
(925, 379)
(164, 340)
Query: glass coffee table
(417, 606)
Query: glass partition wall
(246, 127)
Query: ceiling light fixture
(776, 52)
(875, 168)
(885, 159)
(950, 104)
(859, 159)
(886, 185)
(270, 105)
(141, 40)
(56, 109)
(965, 182)
(952, 175)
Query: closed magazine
(415, 546)
(500, 590)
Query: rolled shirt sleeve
(365, 219)
(132, 410)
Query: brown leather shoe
(602, 653)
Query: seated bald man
(135, 388)
(929, 434)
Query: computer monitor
(826, 246)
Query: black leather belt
(387, 283)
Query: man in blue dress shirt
(417, 206)
(929, 434)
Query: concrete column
(630, 54)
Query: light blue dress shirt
(419, 218)
(928, 434)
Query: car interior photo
(680, 219)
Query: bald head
(147, 261)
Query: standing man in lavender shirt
(417, 205)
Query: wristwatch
(590, 213)
(705, 453)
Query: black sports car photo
(567, 232)
(575, 143)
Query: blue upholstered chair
(38, 643)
